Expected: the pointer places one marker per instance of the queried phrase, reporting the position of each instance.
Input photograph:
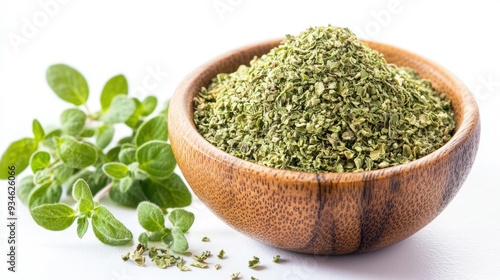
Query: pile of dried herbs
(323, 101)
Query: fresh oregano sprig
(59, 216)
(139, 167)
(152, 220)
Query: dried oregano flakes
(323, 101)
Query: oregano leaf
(115, 170)
(39, 160)
(182, 219)
(156, 158)
(105, 135)
(126, 183)
(143, 238)
(42, 176)
(154, 129)
(50, 139)
(96, 180)
(112, 154)
(53, 216)
(131, 197)
(149, 105)
(62, 172)
(18, 154)
(86, 206)
(159, 235)
(179, 243)
(134, 120)
(52, 134)
(120, 110)
(82, 226)
(113, 87)
(75, 153)
(167, 193)
(38, 131)
(87, 133)
(150, 216)
(73, 121)
(47, 193)
(108, 229)
(24, 189)
(68, 84)
(127, 155)
(83, 195)
(126, 140)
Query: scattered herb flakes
(276, 258)
(163, 259)
(140, 249)
(253, 278)
(161, 262)
(254, 262)
(199, 265)
(152, 253)
(323, 101)
(205, 239)
(126, 256)
(139, 260)
(180, 262)
(221, 254)
(235, 276)
(151, 218)
(137, 255)
(203, 257)
(180, 265)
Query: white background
(136, 38)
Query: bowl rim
(464, 129)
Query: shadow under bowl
(324, 213)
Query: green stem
(54, 163)
(99, 195)
(87, 108)
(77, 175)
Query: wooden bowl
(324, 213)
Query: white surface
(104, 38)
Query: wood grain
(324, 213)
